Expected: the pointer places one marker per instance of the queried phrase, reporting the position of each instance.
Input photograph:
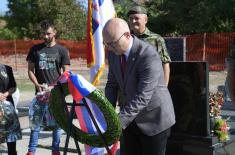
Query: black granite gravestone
(189, 88)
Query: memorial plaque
(176, 48)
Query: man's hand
(41, 87)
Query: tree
(182, 17)
(123, 7)
(21, 14)
(68, 15)
(5, 33)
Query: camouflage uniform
(158, 42)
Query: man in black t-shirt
(46, 62)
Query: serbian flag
(99, 12)
(80, 88)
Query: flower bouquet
(219, 126)
(221, 129)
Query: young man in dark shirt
(46, 62)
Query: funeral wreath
(57, 108)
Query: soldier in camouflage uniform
(137, 19)
(231, 73)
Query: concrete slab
(44, 144)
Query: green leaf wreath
(57, 109)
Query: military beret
(137, 10)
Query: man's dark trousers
(136, 143)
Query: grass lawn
(25, 85)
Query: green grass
(25, 85)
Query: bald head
(115, 27)
(116, 35)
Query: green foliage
(122, 8)
(177, 17)
(24, 84)
(221, 129)
(166, 17)
(182, 17)
(6, 34)
(68, 15)
(22, 14)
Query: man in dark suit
(135, 70)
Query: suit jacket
(146, 99)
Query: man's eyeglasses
(112, 43)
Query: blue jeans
(39, 117)
(33, 142)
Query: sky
(3, 6)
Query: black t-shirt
(7, 80)
(48, 61)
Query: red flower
(224, 127)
